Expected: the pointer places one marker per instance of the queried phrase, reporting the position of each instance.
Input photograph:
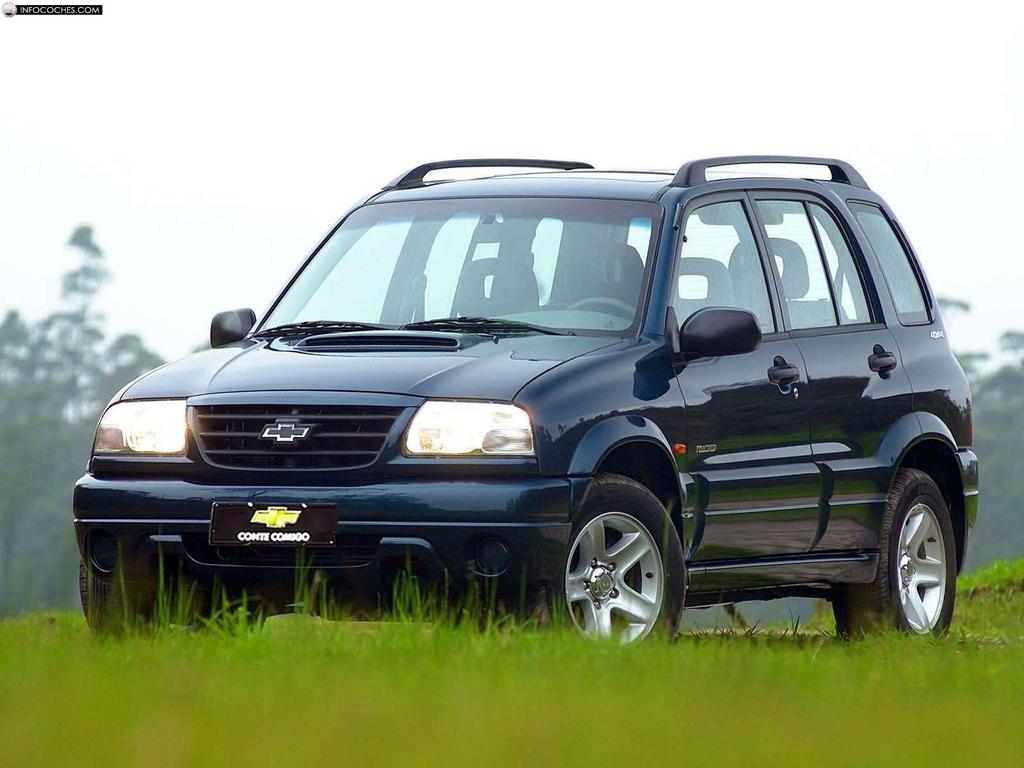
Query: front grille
(307, 436)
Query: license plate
(235, 524)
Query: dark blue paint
(792, 490)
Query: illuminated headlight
(444, 428)
(142, 426)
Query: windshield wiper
(488, 325)
(316, 326)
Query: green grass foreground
(300, 692)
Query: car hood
(482, 368)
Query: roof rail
(695, 171)
(414, 177)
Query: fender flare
(610, 433)
(930, 428)
(604, 437)
(909, 431)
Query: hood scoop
(380, 341)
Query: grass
(1001, 576)
(299, 692)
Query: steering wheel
(618, 307)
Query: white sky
(212, 144)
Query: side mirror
(231, 326)
(718, 331)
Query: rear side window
(798, 261)
(842, 270)
(895, 262)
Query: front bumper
(437, 527)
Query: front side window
(895, 262)
(719, 265)
(567, 264)
(792, 243)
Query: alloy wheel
(921, 571)
(614, 579)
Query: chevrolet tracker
(607, 393)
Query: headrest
(771, 212)
(512, 287)
(719, 283)
(613, 270)
(717, 215)
(626, 256)
(796, 281)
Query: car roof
(611, 184)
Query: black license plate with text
(234, 524)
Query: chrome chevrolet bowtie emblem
(285, 431)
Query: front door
(757, 491)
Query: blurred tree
(971, 362)
(1013, 342)
(950, 306)
(55, 378)
(999, 442)
(998, 399)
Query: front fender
(607, 435)
(604, 437)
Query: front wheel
(915, 587)
(625, 575)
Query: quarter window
(895, 262)
(791, 242)
(719, 265)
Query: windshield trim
(643, 304)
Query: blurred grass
(303, 691)
(1001, 575)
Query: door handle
(782, 373)
(881, 361)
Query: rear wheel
(915, 587)
(625, 576)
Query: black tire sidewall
(615, 493)
(922, 491)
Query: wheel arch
(634, 447)
(933, 451)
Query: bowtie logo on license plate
(285, 431)
(276, 517)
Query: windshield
(570, 264)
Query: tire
(123, 600)
(888, 601)
(95, 593)
(625, 575)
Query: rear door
(747, 416)
(858, 386)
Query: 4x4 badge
(285, 431)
